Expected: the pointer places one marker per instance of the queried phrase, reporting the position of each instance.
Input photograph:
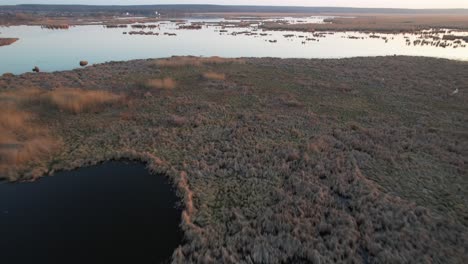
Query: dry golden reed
(78, 101)
(214, 76)
(12, 119)
(22, 141)
(161, 84)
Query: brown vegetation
(23, 142)
(357, 160)
(214, 76)
(378, 23)
(77, 100)
(164, 84)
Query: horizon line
(349, 7)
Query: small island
(7, 41)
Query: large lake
(53, 50)
(115, 212)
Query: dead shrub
(77, 100)
(161, 84)
(214, 76)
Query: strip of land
(7, 41)
(277, 161)
(378, 23)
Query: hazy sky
(347, 3)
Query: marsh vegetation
(296, 37)
(357, 160)
(397, 23)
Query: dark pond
(114, 212)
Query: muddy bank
(111, 212)
(7, 41)
(278, 161)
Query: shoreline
(78, 68)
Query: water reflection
(111, 213)
(53, 50)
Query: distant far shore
(149, 9)
(346, 19)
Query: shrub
(161, 84)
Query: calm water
(54, 50)
(111, 213)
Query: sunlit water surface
(53, 50)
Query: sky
(345, 3)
